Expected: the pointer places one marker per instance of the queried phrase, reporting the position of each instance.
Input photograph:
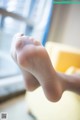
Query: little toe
(36, 42)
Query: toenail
(22, 34)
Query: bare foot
(30, 81)
(34, 58)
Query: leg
(33, 58)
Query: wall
(65, 25)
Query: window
(8, 27)
(23, 16)
(11, 21)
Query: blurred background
(23, 16)
(45, 20)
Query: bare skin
(33, 60)
(30, 81)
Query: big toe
(15, 41)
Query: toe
(14, 42)
(36, 42)
(23, 41)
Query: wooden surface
(16, 108)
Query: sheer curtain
(25, 16)
(8, 27)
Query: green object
(66, 2)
